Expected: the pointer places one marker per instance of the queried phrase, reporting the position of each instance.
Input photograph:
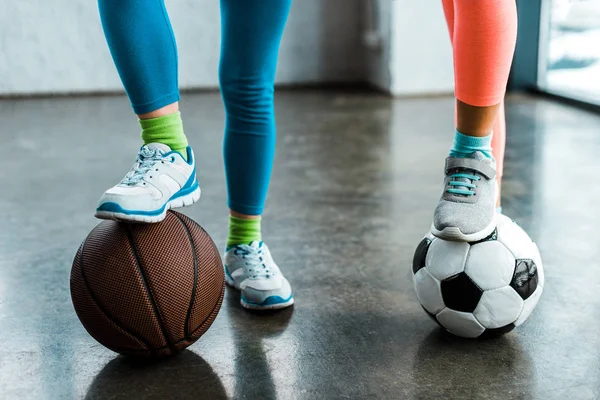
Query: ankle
(166, 129)
(465, 145)
(242, 216)
(161, 112)
(244, 230)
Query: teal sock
(243, 231)
(168, 130)
(465, 145)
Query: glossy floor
(356, 179)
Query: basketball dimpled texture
(147, 289)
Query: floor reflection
(185, 376)
(447, 367)
(254, 372)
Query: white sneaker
(160, 179)
(251, 269)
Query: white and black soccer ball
(483, 288)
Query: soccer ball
(484, 288)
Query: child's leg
(251, 33)
(483, 36)
(498, 145)
(142, 44)
(499, 129)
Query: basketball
(147, 289)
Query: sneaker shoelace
(147, 159)
(254, 261)
(462, 183)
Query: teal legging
(142, 45)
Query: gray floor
(355, 183)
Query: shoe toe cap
(466, 217)
(258, 291)
(134, 198)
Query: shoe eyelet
(172, 159)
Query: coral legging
(483, 35)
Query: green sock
(243, 231)
(168, 130)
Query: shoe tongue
(255, 244)
(477, 155)
(163, 148)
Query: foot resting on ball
(160, 179)
(251, 269)
(467, 208)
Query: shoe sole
(179, 202)
(277, 306)
(455, 234)
(251, 306)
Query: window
(569, 63)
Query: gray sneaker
(466, 210)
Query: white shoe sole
(179, 202)
(251, 306)
(456, 235)
(277, 306)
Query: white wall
(421, 49)
(57, 46)
(415, 56)
(379, 52)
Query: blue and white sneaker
(160, 179)
(251, 269)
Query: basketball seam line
(186, 330)
(148, 291)
(220, 299)
(102, 309)
(214, 311)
